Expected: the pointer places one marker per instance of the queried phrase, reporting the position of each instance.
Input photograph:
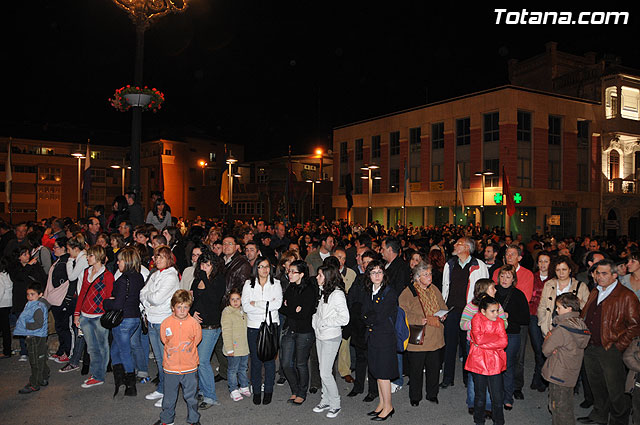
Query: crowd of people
(198, 298)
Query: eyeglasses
(228, 243)
(293, 272)
(263, 266)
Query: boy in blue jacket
(33, 324)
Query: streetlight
(202, 165)
(313, 195)
(116, 166)
(143, 13)
(369, 168)
(484, 175)
(320, 153)
(80, 156)
(230, 161)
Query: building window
(192, 189)
(492, 165)
(614, 164)
(50, 174)
(359, 149)
(437, 135)
(52, 193)
(436, 173)
(611, 102)
(212, 157)
(583, 134)
(524, 126)
(394, 180)
(344, 157)
(463, 131)
(98, 175)
(375, 146)
(554, 174)
(263, 178)
(394, 143)
(97, 195)
(414, 139)
(491, 128)
(524, 172)
(29, 169)
(555, 130)
(375, 188)
(414, 174)
(583, 177)
(630, 103)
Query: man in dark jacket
(136, 213)
(237, 268)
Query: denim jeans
(97, 339)
(206, 378)
(327, 352)
(257, 365)
(295, 350)
(78, 349)
(121, 346)
(140, 351)
(494, 383)
(189, 384)
(535, 333)
(509, 374)
(471, 391)
(237, 372)
(158, 352)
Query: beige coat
(410, 303)
(548, 301)
(234, 331)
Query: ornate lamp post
(484, 175)
(80, 156)
(369, 168)
(143, 13)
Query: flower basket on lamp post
(145, 98)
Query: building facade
(572, 162)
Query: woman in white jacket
(260, 290)
(332, 313)
(155, 297)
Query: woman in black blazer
(379, 311)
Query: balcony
(623, 186)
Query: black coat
(208, 301)
(379, 314)
(307, 298)
(398, 274)
(128, 303)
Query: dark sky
(265, 74)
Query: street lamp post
(143, 13)
(123, 168)
(79, 155)
(483, 174)
(369, 168)
(230, 161)
(313, 196)
(202, 165)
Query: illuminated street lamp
(313, 194)
(483, 174)
(123, 168)
(143, 13)
(230, 161)
(202, 165)
(80, 156)
(369, 168)
(320, 153)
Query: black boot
(130, 382)
(118, 377)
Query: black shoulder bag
(267, 339)
(112, 318)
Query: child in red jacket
(487, 359)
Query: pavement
(65, 402)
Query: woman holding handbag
(261, 296)
(60, 293)
(126, 297)
(421, 300)
(97, 285)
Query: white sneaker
(395, 388)
(246, 391)
(332, 413)
(158, 403)
(154, 395)
(235, 395)
(23, 358)
(321, 408)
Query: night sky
(265, 74)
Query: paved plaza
(64, 402)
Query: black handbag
(112, 318)
(267, 339)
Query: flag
(511, 205)
(224, 187)
(8, 175)
(459, 184)
(407, 185)
(86, 177)
(348, 189)
(161, 174)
